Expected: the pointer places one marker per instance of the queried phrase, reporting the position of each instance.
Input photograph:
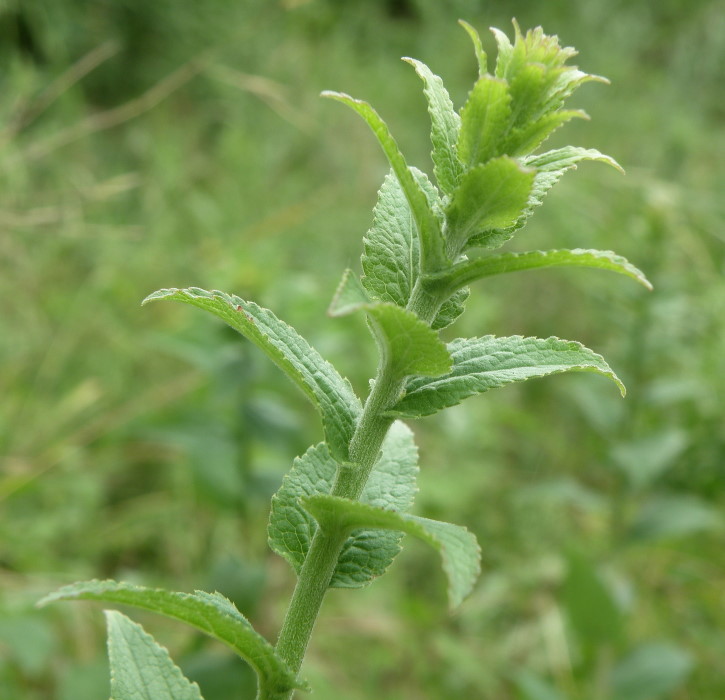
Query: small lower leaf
(141, 669)
(210, 613)
(457, 546)
(366, 554)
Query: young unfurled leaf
(549, 167)
(480, 364)
(451, 309)
(485, 120)
(141, 669)
(410, 346)
(469, 271)
(477, 47)
(368, 553)
(445, 125)
(211, 613)
(530, 136)
(331, 394)
(458, 547)
(433, 254)
(491, 196)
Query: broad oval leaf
(210, 613)
(141, 669)
(366, 554)
(458, 547)
(491, 196)
(332, 395)
(470, 271)
(480, 364)
(445, 125)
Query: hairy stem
(319, 566)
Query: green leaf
(332, 395)
(549, 167)
(527, 138)
(211, 613)
(485, 121)
(458, 547)
(433, 255)
(649, 456)
(366, 554)
(413, 348)
(141, 669)
(566, 158)
(480, 364)
(391, 259)
(445, 125)
(469, 271)
(477, 47)
(451, 309)
(650, 672)
(410, 345)
(491, 196)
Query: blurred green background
(157, 144)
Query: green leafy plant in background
(342, 510)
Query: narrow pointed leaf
(332, 395)
(458, 547)
(445, 125)
(485, 120)
(432, 250)
(367, 553)
(480, 364)
(477, 47)
(141, 669)
(210, 613)
(566, 158)
(491, 196)
(469, 271)
(527, 138)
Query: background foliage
(147, 145)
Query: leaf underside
(332, 395)
(141, 669)
(210, 613)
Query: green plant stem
(319, 566)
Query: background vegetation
(159, 144)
